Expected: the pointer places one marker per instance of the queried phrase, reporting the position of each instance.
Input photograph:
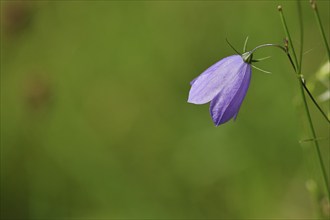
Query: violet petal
(216, 79)
(227, 103)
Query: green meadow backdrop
(95, 121)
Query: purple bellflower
(226, 82)
(225, 85)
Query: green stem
(318, 20)
(298, 72)
(288, 35)
(301, 50)
(315, 140)
(301, 26)
(267, 45)
(247, 55)
(314, 101)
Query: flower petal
(227, 103)
(207, 85)
(234, 106)
(192, 81)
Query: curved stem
(269, 45)
(278, 46)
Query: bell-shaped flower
(225, 85)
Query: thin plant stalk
(295, 60)
(298, 72)
(286, 29)
(318, 20)
(301, 26)
(314, 101)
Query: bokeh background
(95, 121)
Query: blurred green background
(95, 121)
